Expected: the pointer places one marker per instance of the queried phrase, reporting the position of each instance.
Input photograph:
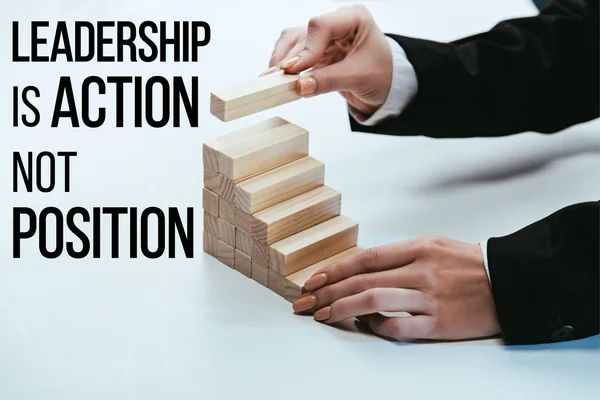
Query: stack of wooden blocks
(267, 211)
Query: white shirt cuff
(403, 88)
(483, 247)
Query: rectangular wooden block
(226, 232)
(279, 184)
(296, 214)
(226, 189)
(261, 147)
(225, 253)
(210, 202)
(210, 244)
(243, 241)
(313, 245)
(254, 95)
(293, 284)
(243, 263)
(260, 273)
(211, 224)
(212, 180)
(260, 252)
(210, 157)
(227, 211)
(276, 282)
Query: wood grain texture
(279, 184)
(209, 244)
(313, 245)
(226, 189)
(296, 214)
(260, 273)
(211, 224)
(254, 95)
(243, 263)
(243, 220)
(225, 253)
(226, 232)
(260, 253)
(210, 202)
(212, 180)
(227, 211)
(261, 147)
(243, 241)
(276, 282)
(210, 157)
(293, 284)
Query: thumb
(332, 78)
(320, 32)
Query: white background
(192, 328)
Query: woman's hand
(347, 53)
(440, 282)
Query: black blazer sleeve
(528, 74)
(545, 277)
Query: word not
(50, 222)
(93, 41)
(29, 170)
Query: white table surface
(194, 329)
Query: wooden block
(293, 284)
(227, 211)
(296, 214)
(243, 220)
(210, 157)
(226, 232)
(225, 253)
(211, 224)
(243, 263)
(276, 282)
(253, 96)
(260, 273)
(243, 241)
(260, 252)
(280, 184)
(212, 180)
(210, 202)
(313, 245)
(226, 189)
(210, 244)
(260, 147)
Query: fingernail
(304, 303)
(289, 63)
(323, 314)
(315, 282)
(308, 85)
(269, 71)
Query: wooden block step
(210, 202)
(258, 148)
(280, 184)
(276, 282)
(293, 284)
(243, 241)
(243, 263)
(225, 253)
(260, 273)
(260, 253)
(243, 220)
(226, 232)
(212, 180)
(211, 224)
(210, 244)
(254, 95)
(296, 214)
(227, 211)
(313, 245)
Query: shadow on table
(512, 169)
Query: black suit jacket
(529, 74)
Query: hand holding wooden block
(253, 96)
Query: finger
(400, 328)
(377, 300)
(321, 31)
(341, 76)
(371, 260)
(404, 278)
(294, 50)
(288, 39)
